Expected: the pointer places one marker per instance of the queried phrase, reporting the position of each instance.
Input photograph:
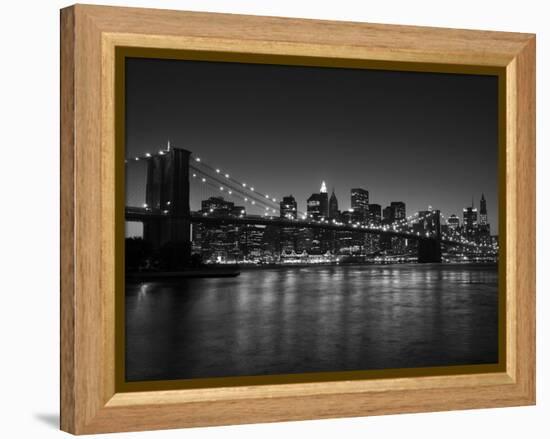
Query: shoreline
(360, 264)
(234, 270)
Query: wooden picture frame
(91, 399)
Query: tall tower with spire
(323, 196)
(333, 206)
(482, 210)
(484, 226)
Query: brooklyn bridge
(167, 217)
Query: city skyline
(225, 232)
(289, 128)
(133, 229)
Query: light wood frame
(89, 400)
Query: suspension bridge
(167, 216)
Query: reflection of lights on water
(143, 288)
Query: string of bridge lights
(252, 200)
(252, 197)
(245, 187)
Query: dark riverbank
(206, 272)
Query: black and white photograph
(286, 219)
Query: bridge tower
(429, 248)
(167, 193)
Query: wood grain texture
(375, 41)
(67, 253)
(525, 222)
(90, 34)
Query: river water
(312, 319)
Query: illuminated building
(289, 235)
(251, 240)
(453, 226)
(392, 213)
(318, 241)
(453, 222)
(372, 242)
(482, 211)
(333, 212)
(314, 207)
(375, 214)
(484, 228)
(221, 242)
(288, 207)
(323, 198)
(317, 204)
(360, 202)
(399, 211)
(469, 221)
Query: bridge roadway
(141, 214)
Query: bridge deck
(140, 214)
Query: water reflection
(293, 320)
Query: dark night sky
(422, 138)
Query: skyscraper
(399, 211)
(469, 221)
(453, 222)
(375, 214)
(333, 212)
(482, 210)
(317, 209)
(289, 235)
(220, 242)
(484, 227)
(394, 212)
(388, 215)
(360, 202)
(314, 209)
(288, 207)
(323, 199)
